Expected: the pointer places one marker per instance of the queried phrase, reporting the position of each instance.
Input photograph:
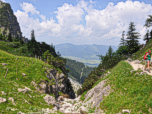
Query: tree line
(75, 68)
(127, 47)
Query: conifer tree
(150, 34)
(146, 37)
(122, 42)
(10, 37)
(110, 51)
(32, 35)
(132, 38)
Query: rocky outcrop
(92, 99)
(8, 21)
(61, 83)
(58, 83)
(75, 84)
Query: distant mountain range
(83, 51)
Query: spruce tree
(32, 36)
(122, 42)
(146, 37)
(132, 38)
(10, 37)
(110, 51)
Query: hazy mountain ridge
(83, 51)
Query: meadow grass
(15, 79)
(130, 91)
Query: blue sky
(80, 21)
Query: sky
(81, 22)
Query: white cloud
(3, 1)
(27, 7)
(101, 25)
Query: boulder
(24, 74)
(3, 93)
(50, 99)
(126, 110)
(33, 83)
(60, 98)
(2, 100)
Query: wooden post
(40, 58)
(6, 73)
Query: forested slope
(78, 70)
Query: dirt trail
(138, 65)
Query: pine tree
(110, 51)
(122, 42)
(10, 37)
(32, 36)
(132, 38)
(146, 37)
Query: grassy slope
(35, 72)
(130, 91)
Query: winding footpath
(136, 64)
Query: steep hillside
(25, 84)
(78, 71)
(8, 21)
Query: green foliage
(14, 80)
(123, 41)
(1, 37)
(110, 52)
(130, 91)
(123, 50)
(10, 37)
(132, 39)
(146, 37)
(21, 42)
(82, 98)
(77, 70)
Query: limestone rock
(49, 99)
(11, 99)
(2, 100)
(24, 90)
(8, 21)
(60, 98)
(46, 111)
(24, 74)
(126, 110)
(3, 93)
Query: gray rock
(2, 100)
(24, 90)
(126, 110)
(50, 99)
(96, 94)
(24, 74)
